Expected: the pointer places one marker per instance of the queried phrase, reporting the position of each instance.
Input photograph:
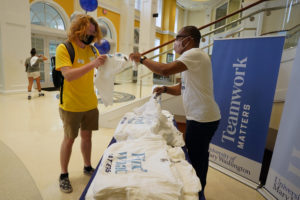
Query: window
(137, 4)
(136, 40)
(221, 12)
(105, 30)
(45, 15)
(159, 11)
(156, 52)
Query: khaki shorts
(33, 74)
(72, 121)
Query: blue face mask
(88, 39)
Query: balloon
(89, 5)
(103, 47)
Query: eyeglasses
(181, 36)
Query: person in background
(196, 88)
(32, 65)
(78, 103)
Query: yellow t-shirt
(78, 95)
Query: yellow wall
(136, 24)
(114, 18)
(67, 5)
(168, 16)
(168, 24)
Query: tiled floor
(31, 131)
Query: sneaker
(88, 171)
(65, 185)
(29, 97)
(41, 94)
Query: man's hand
(100, 60)
(159, 90)
(135, 57)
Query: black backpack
(57, 77)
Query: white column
(147, 35)
(15, 44)
(127, 26)
(126, 36)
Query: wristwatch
(142, 59)
(164, 89)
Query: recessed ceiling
(196, 4)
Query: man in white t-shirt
(196, 88)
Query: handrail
(229, 24)
(245, 17)
(278, 31)
(231, 34)
(209, 24)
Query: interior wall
(1, 63)
(196, 18)
(111, 3)
(180, 18)
(67, 5)
(114, 18)
(15, 44)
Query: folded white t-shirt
(136, 170)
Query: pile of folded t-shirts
(147, 161)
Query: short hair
(32, 51)
(193, 32)
(80, 24)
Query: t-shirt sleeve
(62, 57)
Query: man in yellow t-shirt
(78, 103)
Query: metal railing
(230, 34)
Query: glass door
(52, 52)
(46, 46)
(38, 43)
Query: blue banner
(245, 73)
(284, 175)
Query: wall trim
(109, 7)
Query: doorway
(46, 45)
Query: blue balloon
(103, 47)
(89, 5)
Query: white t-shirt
(136, 170)
(197, 87)
(105, 78)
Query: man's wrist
(142, 59)
(165, 89)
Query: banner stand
(234, 175)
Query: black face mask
(88, 39)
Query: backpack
(57, 77)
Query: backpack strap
(71, 52)
(70, 49)
(94, 51)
